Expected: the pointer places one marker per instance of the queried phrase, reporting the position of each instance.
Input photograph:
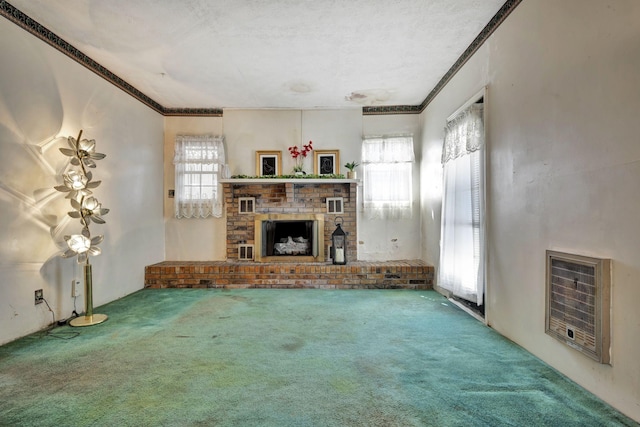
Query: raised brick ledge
(404, 274)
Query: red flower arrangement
(298, 155)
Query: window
(198, 160)
(462, 231)
(387, 167)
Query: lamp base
(88, 320)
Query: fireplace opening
(287, 238)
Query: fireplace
(289, 237)
(285, 202)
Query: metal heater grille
(578, 298)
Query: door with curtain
(462, 253)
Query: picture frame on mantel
(326, 162)
(268, 163)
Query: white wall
(246, 131)
(380, 240)
(198, 239)
(563, 171)
(45, 97)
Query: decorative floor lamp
(78, 184)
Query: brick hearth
(284, 196)
(410, 274)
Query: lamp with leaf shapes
(77, 183)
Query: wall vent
(578, 303)
(246, 205)
(335, 205)
(245, 252)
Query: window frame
(198, 161)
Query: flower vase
(298, 168)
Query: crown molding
(43, 33)
(486, 32)
(391, 109)
(194, 112)
(32, 26)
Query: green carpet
(203, 357)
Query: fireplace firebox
(289, 237)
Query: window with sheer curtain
(198, 160)
(462, 230)
(387, 164)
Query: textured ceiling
(297, 54)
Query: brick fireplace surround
(279, 196)
(282, 196)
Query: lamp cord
(59, 335)
(53, 315)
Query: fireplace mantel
(301, 181)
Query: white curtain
(198, 160)
(462, 239)
(387, 168)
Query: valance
(464, 134)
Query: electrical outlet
(76, 289)
(39, 297)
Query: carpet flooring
(252, 357)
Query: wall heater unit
(578, 303)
